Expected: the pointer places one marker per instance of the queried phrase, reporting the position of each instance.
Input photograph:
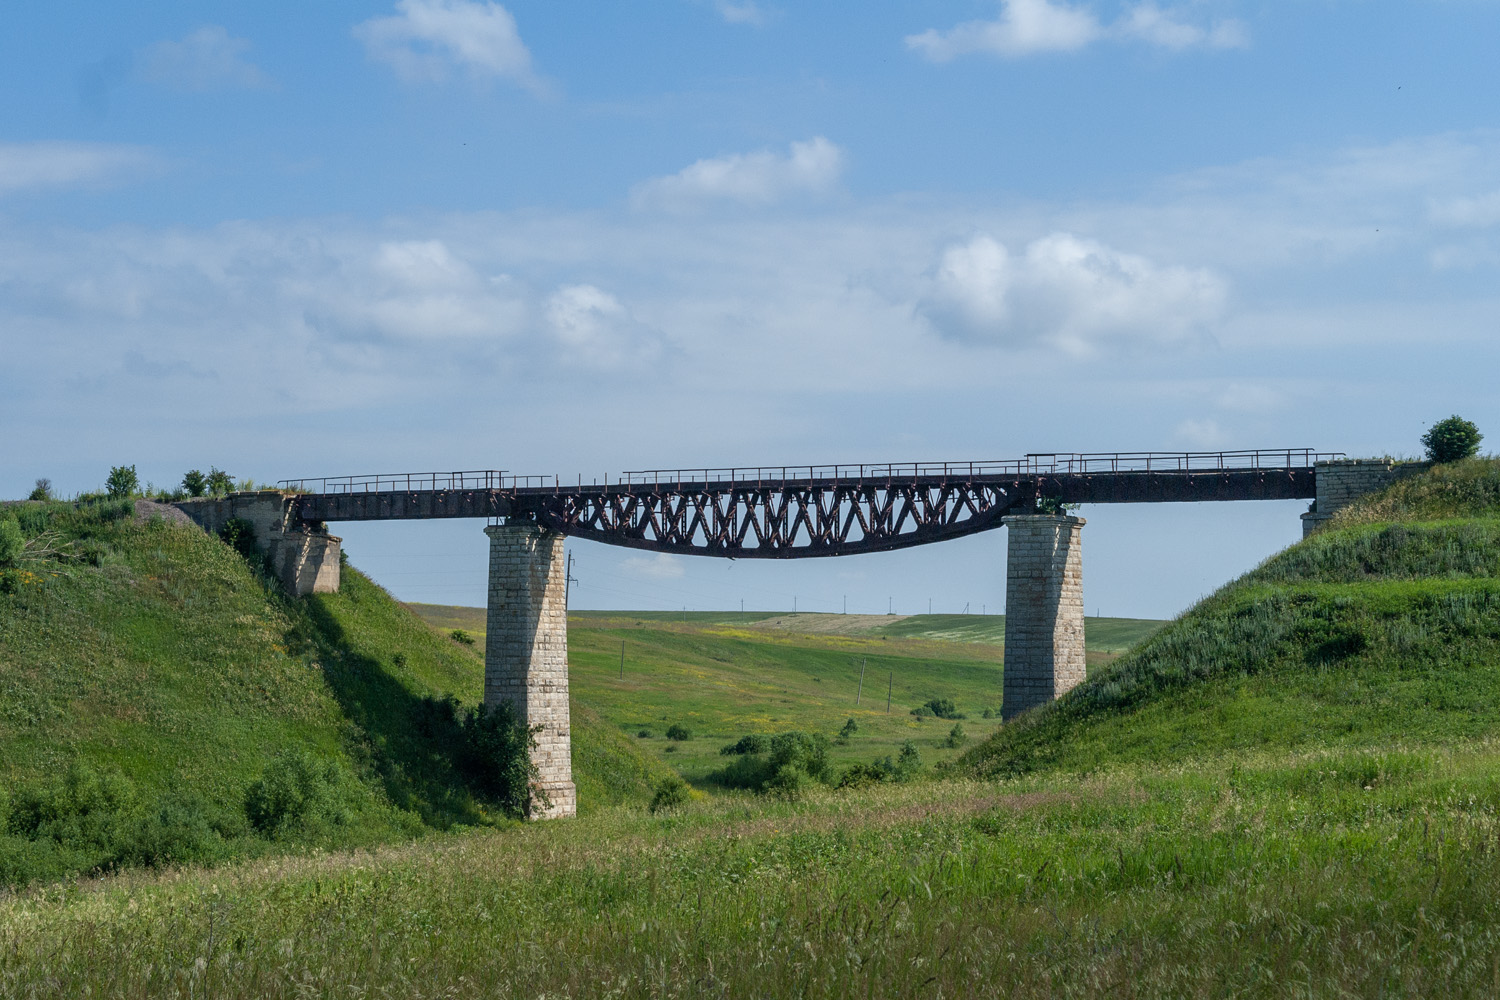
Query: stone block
(1044, 643)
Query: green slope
(154, 652)
(1378, 632)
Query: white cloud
(207, 59)
(593, 330)
(1025, 27)
(1149, 23)
(1201, 433)
(741, 11)
(760, 178)
(660, 566)
(1075, 294)
(428, 39)
(1477, 212)
(30, 165)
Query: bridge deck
(788, 512)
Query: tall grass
(1354, 874)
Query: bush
(750, 743)
(671, 792)
(1452, 440)
(42, 490)
(497, 757)
(460, 636)
(790, 762)
(956, 736)
(194, 483)
(12, 542)
(645, 734)
(860, 775)
(908, 762)
(298, 793)
(677, 731)
(122, 482)
(847, 732)
(943, 708)
(239, 534)
(88, 821)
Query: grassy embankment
(1299, 856)
(724, 674)
(151, 662)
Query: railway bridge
(784, 512)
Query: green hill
(1383, 629)
(148, 676)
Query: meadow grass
(723, 675)
(1354, 873)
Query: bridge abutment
(526, 651)
(1044, 651)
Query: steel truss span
(788, 513)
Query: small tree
(1452, 440)
(219, 482)
(194, 483)
(122, 482)
(42, 490)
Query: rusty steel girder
(784, 521)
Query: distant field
(1101, 635)
(724, 674)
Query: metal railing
(1034, 464)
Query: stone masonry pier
(1044, 652)
(526, 651)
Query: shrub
(677, 731)
(849, 729)
(219, 482)
(239, 534)
(298, 793)
(988, 713)
(88, 821)
(497, 757)
(908, 761)
(943, 708)
(671, 792)
(860, 775)
(122, 482)
(645, 734)
(956, 736)
(763, 771)
(1452, 440)
(460, 636)
(42, 490)
(750, 743)
(12, 542)
(194, 483)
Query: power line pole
(890, 683)
(568, 581)
(622, 659)
(861, 689)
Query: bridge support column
(1044, 655)
(526, 651)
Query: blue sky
(306, 239)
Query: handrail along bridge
(786, 512)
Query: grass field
(722, 675)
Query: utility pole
(929, 605)
(794, 604)
(742, 605)
(890, 683)
(861, 689)
(846, 604)
(568, 581)
(622, 659)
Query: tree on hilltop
(1452, 440)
